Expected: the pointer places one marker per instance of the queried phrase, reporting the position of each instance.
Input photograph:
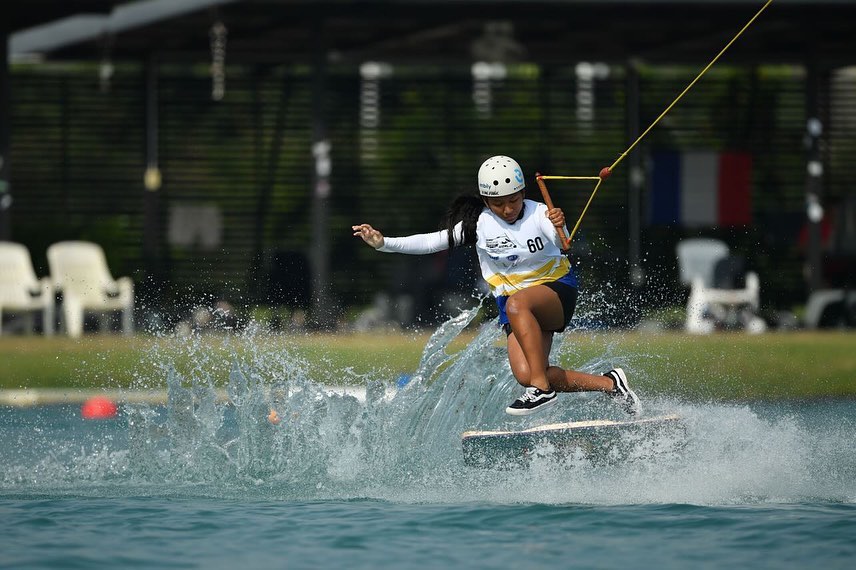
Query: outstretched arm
(418, 244)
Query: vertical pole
(152, 234)
(544, 147)
(635, 178)
(322, 311)
(5, 137)
(815, 93)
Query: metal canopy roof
(18, 15)
(84, 28)
(443, 31)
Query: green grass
(736, 366)
(731, 366)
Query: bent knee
(516, 306)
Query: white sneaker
(532, 400)
(622, 393)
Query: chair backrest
(730, 272)
(79, 266)
(697, 257)
(17, 277)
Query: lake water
(343, 482)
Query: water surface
(360, 483)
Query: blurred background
(219, 151)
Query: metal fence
(233, 214)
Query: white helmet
(500, 176)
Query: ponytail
(465, 209)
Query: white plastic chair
(20, 290)
(697, 259)
(79, 271)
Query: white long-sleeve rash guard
(420, 244)
(512, 256)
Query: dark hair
(465, 208)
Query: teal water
(347, 483)
(187, 532)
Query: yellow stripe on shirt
(550, 271)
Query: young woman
(534, 285)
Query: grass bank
(720, 367)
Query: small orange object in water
(98, 408)
(273, 417)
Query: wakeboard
(595, 440)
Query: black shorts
(567, 297)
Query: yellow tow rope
(607, 171)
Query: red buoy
(98, 408)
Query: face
(506, 207)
